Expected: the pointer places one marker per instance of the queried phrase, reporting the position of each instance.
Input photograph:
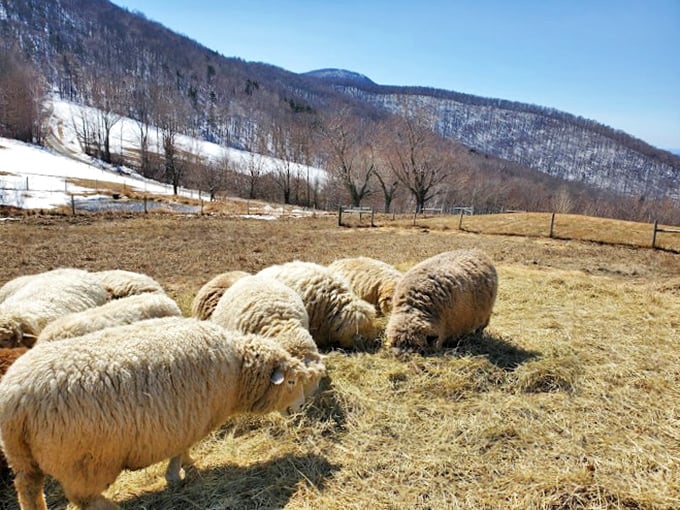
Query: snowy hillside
(34, 177)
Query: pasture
(569, 400)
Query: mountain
(96, 53)
(341, 76)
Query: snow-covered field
(34, 177)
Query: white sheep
(337, 316)
(43, 298)
(442, 298)
(120, 283)
(13, 285)
(207, 296)
(86, 408)
(371, 279)
(267, 307)
(118, 312)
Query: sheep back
(120, 283)
(130, 396)
(208, 295)
(371, 279)
(265, 306)
(118, 312)
(337, 316)
(442, 298)
(13, 285)
(44, 298)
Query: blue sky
(614, 61)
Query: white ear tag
(277, 376)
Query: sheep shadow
(265, 485)
(499, 351)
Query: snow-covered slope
(34, 177)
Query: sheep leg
(29, 487)
(173, 473)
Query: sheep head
(16, 333)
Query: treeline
(376, 145)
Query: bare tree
(418, 158)
(22, 94)
(170, 118)
(141, 109)
(350, 154)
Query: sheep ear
(277, 376)
(29, 340)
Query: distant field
(570, 400)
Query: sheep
(256, 304)
(442, 298)
(43, 298)
(8, 355)
(120, 283)
(118, 312)
(337, 316)
(371, 279)
(13, 285)
(86, 408)
(207, 296)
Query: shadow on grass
(265, 485)
(496, 349)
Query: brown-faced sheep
(442, 298)
(337, 316)
(207, 297)
(371, 279)
(120, 283)
(267, 307)
(118, 312)
(83, 409)
(43, 298)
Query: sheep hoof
(174, 474)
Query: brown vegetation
(568, 401)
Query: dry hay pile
(570, 400)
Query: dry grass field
(569, 400)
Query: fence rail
(360, 210)
(660, 229)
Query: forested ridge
(491, 153)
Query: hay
(570, 399)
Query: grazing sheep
(337, 316)
(84, 409)
(207, 296)
(7, 357)
(43, 298)
(120, 283)
(118, 312)
(13, 285)
(371, 279)
(442, 298)
(267, 307)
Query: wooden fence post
(201, 207)
(73, 204)
(146, 211)
(339, 216)
(460, 221)
(372, 216)
(656, 224)
(552, 224)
